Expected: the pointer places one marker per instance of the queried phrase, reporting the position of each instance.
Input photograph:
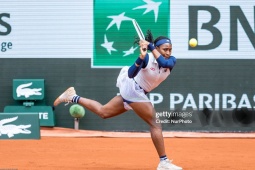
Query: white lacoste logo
(10, 130)
(22, 90)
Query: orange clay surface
(115, 153)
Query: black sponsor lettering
(236, 14)
(4, 24)
(193, 23)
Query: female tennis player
(134, 82)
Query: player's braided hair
(148, 37)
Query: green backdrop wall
(192, 77)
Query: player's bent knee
(156, 125)
(156, 129)
(104, 115)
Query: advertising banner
(19, 126)
(223, 30)
(46, 29)
(85, 43)
(114, 33)
(102, 30)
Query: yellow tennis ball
(193, 42)
(77, 111)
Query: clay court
(61, 148)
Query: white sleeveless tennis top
(151, 76)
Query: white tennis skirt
(129, 89)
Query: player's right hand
(143, 48)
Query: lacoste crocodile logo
(10, 130)
(22, 90)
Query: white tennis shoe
(167, 165)
(66, 97)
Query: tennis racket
(139, 31)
